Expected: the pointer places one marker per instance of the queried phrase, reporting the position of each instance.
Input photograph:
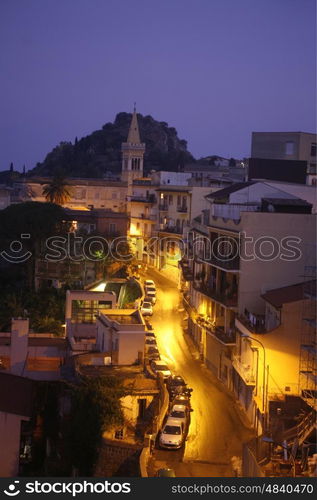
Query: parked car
(182, 399)
(149, 283)
(175, 385)
(146, 308)
(150, 297)
(153, 353)
(159, 367)
(150, 341)
(148, 324)
(172, 434)
(150, 334)
(165, 473)
(180, 413)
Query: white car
(180, 413)
(150, 341)
(146, 308)
(160, 367)
(172, 434)
(150, 296)
(149, 283)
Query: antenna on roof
(134, 107)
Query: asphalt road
(216, 430)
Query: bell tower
(132, 153)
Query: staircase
(302, 430)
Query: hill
(100, 152)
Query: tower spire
(134, 134)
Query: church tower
(132, 153)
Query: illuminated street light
(264, 365)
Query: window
(289, 148)
(114, 195)
(97, 195)
(119, 434)
(170, 199)
(313, 149)
(79, 194)
(142, 407)
(179, 200)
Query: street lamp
(264, 365)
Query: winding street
(216, 432)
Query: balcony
(245, 371)
(227, 299)
(228, 338)
(143, 199)
(186, 270)
(249, 323)
(171, 229)
(225, 263)
(182, 209)
(144, 216)
(232, 210)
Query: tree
(30, 224)
(96, 407)
(57, 191)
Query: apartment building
(16, 399)
(266, 360)
(291, 146)
(236, 254)
(36, 356)
(85, 193)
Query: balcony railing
(228, 299)
(232, 210)
(245, 371)
(186, 270)
(255, 323)
(143, 199)
(163, 207)
(145, 216)
(226, 337)
(182, 209)
(227, 263)
(171, 229)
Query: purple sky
(216, 70)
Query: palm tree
(57, 190)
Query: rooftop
(74, 181)
(124, 319)
(175, 189)
(59, 342)
(287, 201)
(292, 293)
(225, 192)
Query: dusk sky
(216, 70)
